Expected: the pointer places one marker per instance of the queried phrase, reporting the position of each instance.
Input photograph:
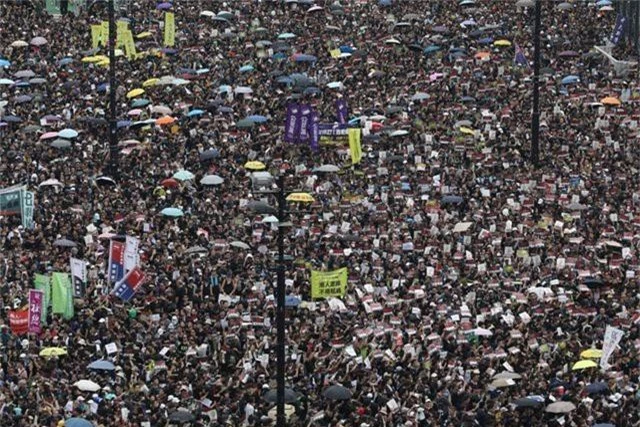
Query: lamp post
(113, 124)
(535, 115)
(280, 306)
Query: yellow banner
(121, 33)
(354, 145)
(169, 29)
(327, 284)
(104, 37)
(129, 45)
(96, 36)
(335, 53)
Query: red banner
(19, 321)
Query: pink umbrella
(435, 76)
(135, 112)
(49, 135)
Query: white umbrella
(560, 407)
(38, 41)
(270, 220)
(481, 332)
(240, 245)
(243, 89)
(327, 168)
(502, 382)
(19, 43)
(51, 182)
(161, 109)
(87, 385)
(207, 13)
(507, 376)
(211, 180)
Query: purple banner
(619, 29)
(342, 111)
(35, 310)
(302, 130)
(314, 131)
(290, 123)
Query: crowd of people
(476, 281)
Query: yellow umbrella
(96, 58)
(150, 82)
(144, 35)
(53, 351)
(255, 165)
(610, 100)
(467, 131)
(502, 43)
(301, 197)
(135, 92)
(592, 353)
(584, 364)
(103, 63)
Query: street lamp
(535, 114)
(113, 123)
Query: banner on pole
(116, 261)
(327, 284)
(27, 209)
(43, 283)
(291, 123)
(612, 337)
(79, 277)
(126, 288)
(11, 200)
(355, 145)
(131, 258)
(169, 29)
(62, 295)
(36, 299)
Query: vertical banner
(291, 122)
(116, 261)
(53, 7)
(341, 111)
(105, 33)
(19, 321)
(27, 209)
(36, 299)
(314, 131)
(129, 45)
(169, 29)
(127, 287)
(11, 200)
(612, 337)
(79, 277)
(619, 29)
(62, 295)
(328, 284)
(131, 258)
(96, 36)
(354, 145)
(304, 115)
(42, 283)
(121, 28)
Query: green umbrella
(245, 124)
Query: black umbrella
(593, 282)
(209, 154)
(290, 396)
(105, 180)
(181, 417)
(527, 402)
(451, 199)
(261, 207)
(604, 425)
(65, 243)
(596, 388)
(337, 392)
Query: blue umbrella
(140, 102)
(67, 133)
(279, 55)
(291, 301)
(183, 175)
(486, 40)
(302, 57)
(173, 212)
(284, 80)
(385, 2)
(102, 87)
(347, 49)
(4, 63)
(246, 68)
(12, 119)
(123, 124)
(23, 84)
(65, 61)
(431, 49)
(451, 199)
(224, 88)
(77, 422)
(603, 3)
(195, 112)
(102, 365)
(570, 80)
(224, 109)
(256, 118)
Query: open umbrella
(584, 364)
(102, 365)
(60, 143)
(6, 82)
(166, 120)
(196, 250)
(38, 41)
(240, 245)
(560, 407)
(271, 396)
(135, 92)
(183, 175)
(211, 180)
(337, 392)
(53, 352)
(527, 402)
(172, 212)
(327, 169)
(77, 422)
(255, 165)
(65, 243)
(181, 416)
(245, 124)
(300, 197)
(507, 375)
(256, 118)
(67, 133)
(261, 207)
(87, 385)
(592, 353)
(105, 180)
(209, 154)
(501, 383)
(612, 101)
(595, 388)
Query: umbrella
(301, 57)
(164, 6)
(102, 365)
(568, 53)
(141, 102)
(610, 100)
(246, 68)
(527, 402)
(327, 168)
(592, 353)
(560, 407)
(48, 135)
(570, 80)
(290, 396)
(196, 250)
(165, 120)
(501, 383)
(195, 112)
(261, 207)
(24, 74)
(225, 14)
(400, 132)
(53, 352)
(60, 143)
(245, 124)
(420, 96)
(209, 154)
(337, 392)
(87, 385)
(255, 165)
(7, 82)
(150, 82)
(286, 36)
(240, 245)
(161, 109)
(22, 99)
(19, 43)
(37, 81)
(525, 3)
(300, 197)
(4, 63)
(65, 243)
(584, 364)
(169, 183)
(507, 375)
(256, 118)
(502, 43)
(135, 92)
(211, 180)
(183, 175)
(173, 212)
(596, 388)
(181, 417)
(38, 41)
(451, 199)
(105, 180)
(77, 422)
(564, 6)
(67, 133)
(270, 219)
(335, 85)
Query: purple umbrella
(568, 53)
(440, 29)
(164, 6)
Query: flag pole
(113, 124)
(535, 116)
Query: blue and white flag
(341, 111)
(519, 58)
(619, 29)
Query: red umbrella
(169, 183)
